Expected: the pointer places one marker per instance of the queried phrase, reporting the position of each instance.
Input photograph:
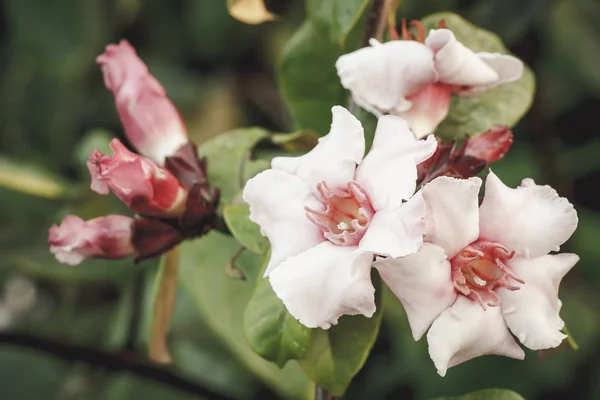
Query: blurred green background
(81, 333)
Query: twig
(108, 362)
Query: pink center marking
(347, 214)
(480, 268)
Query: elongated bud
(142, 185)
(105, 237)
(151, 121)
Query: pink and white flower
(484, 272)
(105, 237)
(142, 185)
(416, 80)
(327, 214)
(152, 123)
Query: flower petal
(396, 233)
(334, 159)
(452, 219)
(381, 76)
(531, 312)
(429, 108)
(277, 200)
(389, 172)
(508, 68)
(422, 283)
(531, 219)
(465, 331)
(457, 64)
(325, 282)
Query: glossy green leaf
(336, 16)
(227, 156)
(337, 354)
(222, 301)
(272, 332)
(487, 394)
(245, 231)
(504, 105)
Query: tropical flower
(416, 80)
(76, 240)
(152, 123)
(327, 214)
(485, 270)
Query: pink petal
(382, 76)
(422, 283)
(430, 106)
(325, 282)
(452, 220)
(508, 68)
(334, 158)
(457, 64)
(152, 123)
(389, 171)
(531, 219)
(396, 233)
(465, 331)
(277, 200)
(531, 312)
(491, 145)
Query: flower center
(347, 214)
(480, 268)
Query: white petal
(457, 64)
(422, 283)
(323, 283)
(531, 219)
(430, 107)
(465, 331)
(508, 68)
(532, 311)
(334, 158)
(389, 171)
(380, 77)
(277, 200)
(452, 220)
(396, 233)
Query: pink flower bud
(105, 237)
(142, 185)
(152, 123)
(490, 146)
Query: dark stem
(108, 362)
(322, 394)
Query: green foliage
(504, 105)
(245, 231)
(487, 394)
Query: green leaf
(504, 105)
(227, 156)
(339, 17)
(487, 394)
(245, 231)
(222, 301)
(337, 354)
(272, 332)
(303, 140)
(31, 180)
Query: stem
(322, 394)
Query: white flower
(485, 270)
(326, 218)
(416, 80)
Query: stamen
(405, 33)
(420, 30)
(442, 24)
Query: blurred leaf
(30, 180)
(337, 354)
(272, 332)
(487, 394)
(131, 387)
(249, 11)
(237, 218)
(303, 140)
(227, 156)
(165, 291)
(504, 105)
(98, 139)
(338, 17)
(222, 301)
(573, 32)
